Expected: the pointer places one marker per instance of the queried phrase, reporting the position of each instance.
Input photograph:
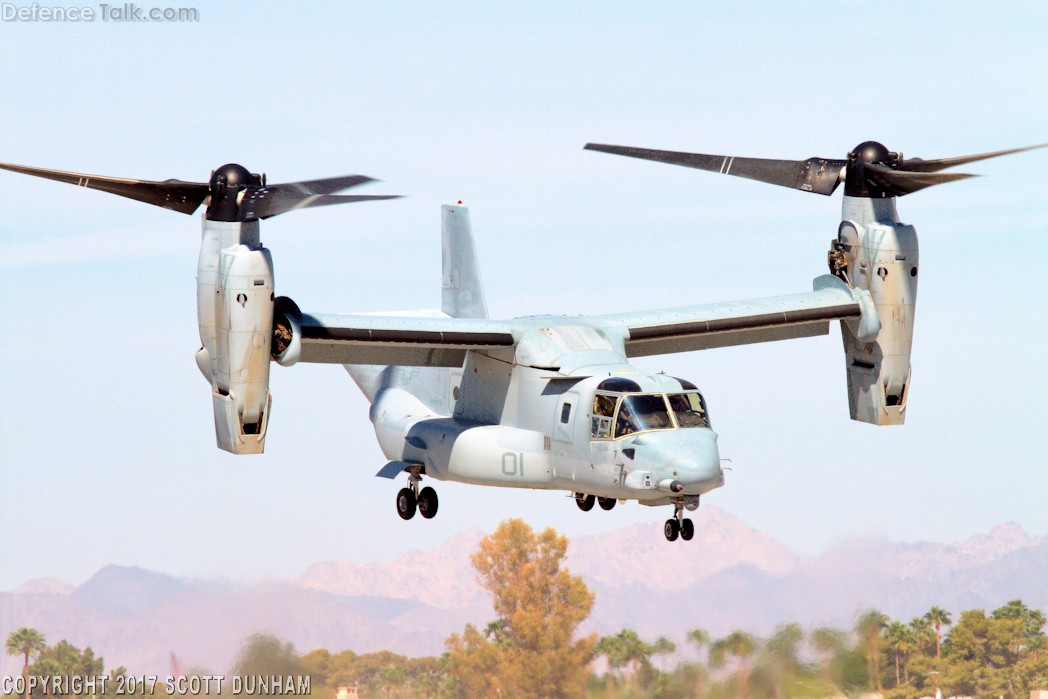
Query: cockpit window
(603, 405)
(690, 409)
(642, 412)
(619, 384)
(603, 412)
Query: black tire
(687, 529)
(427, 503)
(585, 502)
(671, 530)
(606, 503)
(406, 503)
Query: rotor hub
(856, 180)
(232, 176)
(870, 152)
(226, 184)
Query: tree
(264, 654)
(741, 646)
(700, 639)
(66, 659)
(25, 642)
(868, 628)
(316, 664)
(539, 606)
(831, 646)
(782, 656)
(988, 656)
(629, 651)
(1031, 620)
(474, 663)
(938, 617)
(899, 639)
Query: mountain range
(730, 576)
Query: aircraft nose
(688, 464)
(691, 471)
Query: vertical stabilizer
(462, 291)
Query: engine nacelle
(879, 254)
(235, 313)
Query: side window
(565, 413)
(600, 427)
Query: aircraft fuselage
(584, 421)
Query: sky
(106, 437)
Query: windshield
(642, 412)
(690, 409)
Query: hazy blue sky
(106, 439)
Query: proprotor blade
(311, 202)
(271, 200)
(901, 182)
(176, 195)
(819, 175)
(919, 165)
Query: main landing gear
(411, 499)
(585, 502)
(678, 524)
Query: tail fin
(462, 290)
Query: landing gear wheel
(672, 529)
(427, 503)
(606, 503)
(585, 502)
(406, 503)
(687, 529)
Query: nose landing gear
(411, 499)
(678, 524)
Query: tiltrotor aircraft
(544, 402)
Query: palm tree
(635, 652)
(899, 638)
(782, 653)
(868, 628)
(614, 651)
(25, 642)
(831, 644)
(700, 639)
(740, 645)
(938, 618)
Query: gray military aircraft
(546, 402)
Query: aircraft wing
(397, 339)
(441, 341)
(690, 328)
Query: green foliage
(629, 660)
(25, 642)
(531, 650)
(265, 654)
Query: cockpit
(621, 409)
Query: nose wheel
(411, 499)
(678, 525)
